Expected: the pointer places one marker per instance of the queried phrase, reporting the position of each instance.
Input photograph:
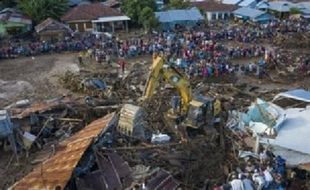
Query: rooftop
(214, 6)
(179, 15)
(248, 12)
(246, 3)
(51, 24)
(281, 6)
(231, 2)
(90, 12)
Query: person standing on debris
(268, 178)
(236, 183)
(122, 64)
(259, 180)
(175, 103)
(80, 58)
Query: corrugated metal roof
(111, 19)
(162, 180)
(297, 94)
(246, 3)
(57, 170)
(39, 107)
(179, 15)
(262, 5)
(231, 2)
(281, 6)
(248, 12)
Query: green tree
(294, 10)
(133, 8)
(7, 3)
(148, 19)
(178, 4)
(39, 10)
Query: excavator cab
(200, 112)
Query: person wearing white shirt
(259, 180)
(268, 178)
(236, 184)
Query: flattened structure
(55, 172)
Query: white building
(215, 11)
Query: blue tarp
(5, 124)
(297, 94)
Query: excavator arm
(173, 77)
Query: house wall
(2, 30)
(81, 26)
(88, 26)
(218, 15)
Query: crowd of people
(163, 41)
(266, 173)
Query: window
(220, 16)
(213, 16)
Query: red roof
(90, 12)
(212, 6)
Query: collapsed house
(285, 130)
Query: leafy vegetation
(147, 18)
(39, 10)
(178, 4)
(141, 12)
(294, 10)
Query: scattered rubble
(296, 40)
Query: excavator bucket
(131, 121)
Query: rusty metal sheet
(39, 107)
(113, 174)
(162, 180)
(305, 166)
(57, 170)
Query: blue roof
(246, 3)
(231, 2)
(179, 15)
(248, 12)
(297, 94)
(281, 6)
(262, 5)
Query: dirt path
(34, 77)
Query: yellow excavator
(195, 111)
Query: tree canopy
(147, 18)
(294, 10)
(7, 3)
(133, 8)
(178, 4)
(39, 10)
(141, 12)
